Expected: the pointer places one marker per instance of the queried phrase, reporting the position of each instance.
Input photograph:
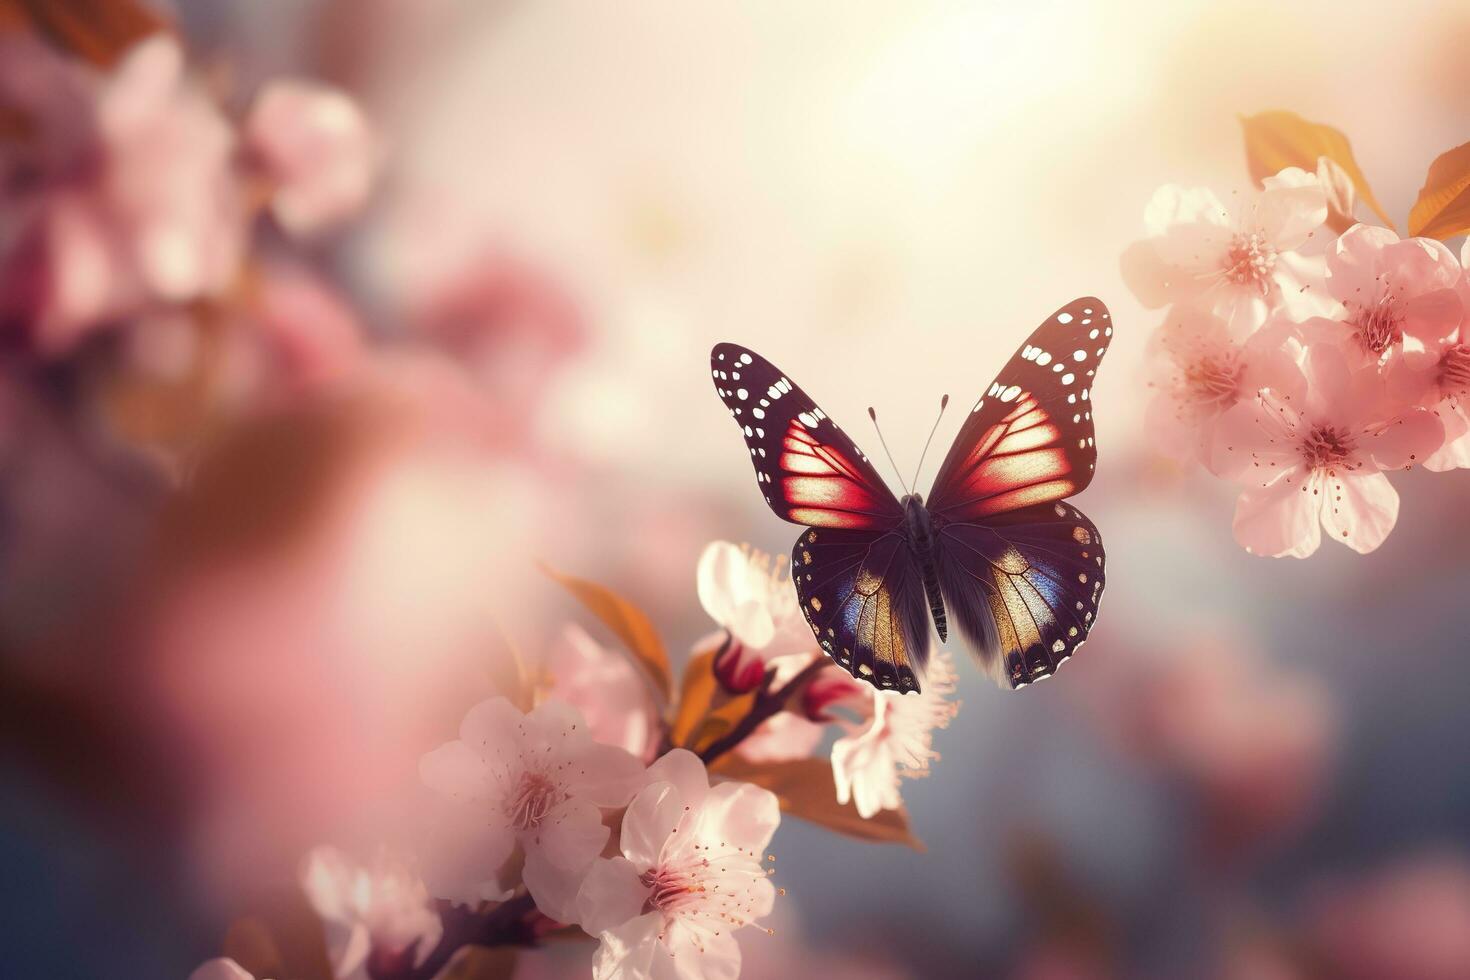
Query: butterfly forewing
(806, 467)
(1029, 439)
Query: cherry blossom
(1390, 289)
(1317, 461)
(796, 731)
(314, 149)
(750, 596)
(533, 782)
(381, 911)
(1407, 920)
(1241, 268)
(1200, 371)
(612, 694)
(689, 875)
(134, 200)
(222, 968)
(897, 743)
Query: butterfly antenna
(874, 416)
(943, 404)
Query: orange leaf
(806, 789)
(629, 624)
(1278, 139)
(284, 940)
(1443, 208)
(99, 31)
(696, 694)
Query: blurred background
(1252, 770)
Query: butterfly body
(994, 549)
(919, 525)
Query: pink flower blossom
(1407, 922)
(611, 693)
(535, 781)
(381, 911)
(315, 150)
(1200, 371)
(134, 202)
(1240, 268)
(868, 762)
(1250, 740)
(751, 597)
(1390, 290)
(1317, 460)
(222, 968)
(690, 874)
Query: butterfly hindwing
(863, 595)
(1029, 440)
(807, 468)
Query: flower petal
(493, 728)
(1286, 215)
(570, 836)
(648, 822)
(627, 951)
(1361, 510)
(1432, 316)
(686, 771)
(1280, 518)
(1251, 441)
(1409, 439)
(553, 888)
(697, 955)
(222, 968)
(747, 815)
(458, 772)
(719, 580)
(611, 894)
(605, 775)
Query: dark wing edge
(863, 597)
(806, 467)
(1030, 438)
(1024, 588)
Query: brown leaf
(480, 963)
(696, 695)
(284, 940)
(99, 31)
(1278, 139)
(806, 789)
(629, 624)
(1443, 208)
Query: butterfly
(995, 545)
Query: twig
(511, 923)
(767, 704)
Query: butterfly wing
(1029, 440)
(1022, 573)
(863, 596)
(806, 467)
(1023, 587)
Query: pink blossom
(222, 968)
(795, 732)
(868, 762)
(314, 149)
(1390, 290)
(136, 201)
(1250, 739)
(1240, 268)
(689, 875)
(750, 595)
(1318, 459)
(536, 781)
(612, 694)
(1407, 922)
(1200, 371)
(382, 911)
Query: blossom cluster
(1301, 365)
(559, 810)
(167, 292)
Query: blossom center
(708, 886)
(1249, 261)
(1213, 379)
(534, 797)
(1377, 326)
(1326, 446)
(1454, 369)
